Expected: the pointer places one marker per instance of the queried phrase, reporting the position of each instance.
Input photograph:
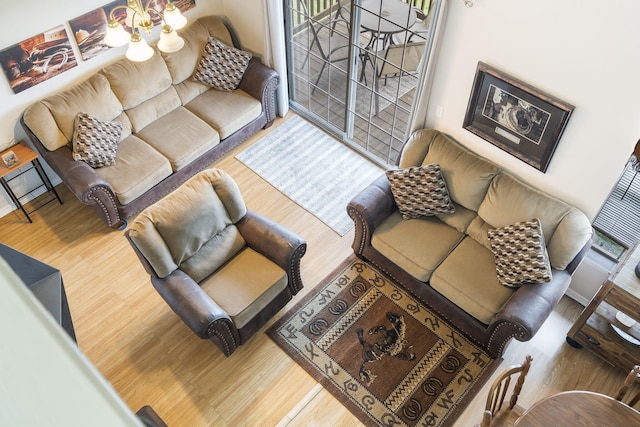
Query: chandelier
(139, 17)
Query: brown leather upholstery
(200, 304)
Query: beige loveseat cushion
(467, 175)
(245, 285)
(193, 227)
(468, 279)
(509, 200)
(52, 119)
(418, 245)
(129, 176)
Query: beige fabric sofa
(173, 125)
(446, 260)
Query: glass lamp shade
(116, 35)
(170, 41)
(173, 17)
(138, 50)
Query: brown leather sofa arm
(368, 209)
(527, 309)
(261, 82)
(192, 304)
(81, 179)
(275, 242)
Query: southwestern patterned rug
(380, 352)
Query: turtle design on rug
(391, 342)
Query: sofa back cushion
(509, 201)
(182, 63)
(143, 88)
(192, 228)
(52, 119)
(467, 174)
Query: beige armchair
(224, 270)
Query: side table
(26, 156)
(610, 325)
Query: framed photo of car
(510, 114)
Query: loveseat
(449, 260)
(172, 126)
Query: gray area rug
(313, 169)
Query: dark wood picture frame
(516, 117)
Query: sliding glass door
(355, 67)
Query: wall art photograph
(89, 29)
(37, 59)
(516, 117)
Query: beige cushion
(468, 279)
(418, 245)
(573, 232)
(227, 112)
(520, 253)
(187, 90)
(130, 177)
(245, 285)
(194, 216)
(478, 230)
(153, 109)
(136, 82)
(195, 137)
(95, 142)
(467, 175)
(459, 219)
(52, 119)
(221, 66)
(182, 63)
(416, 148)
(509, 201)
(419, 191)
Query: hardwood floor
(150, 357)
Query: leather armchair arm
(368, 209)
(280, 245)
(261, 82)
(527, 309)
(205, 318)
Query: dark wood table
(579, 408)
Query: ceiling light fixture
(139, 17)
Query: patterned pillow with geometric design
(520, 253)
(420, 191)
(95, 142)
(221, 66)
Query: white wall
(25, 18)
(585, 52)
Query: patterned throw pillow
(420, 191)
(520, 253)
(221, 66)
(95, 142)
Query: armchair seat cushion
(227, 112)
(468, 277)
(417, 245)
(131, 178)
(245, 285)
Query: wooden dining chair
(493, 414)
(626, 389)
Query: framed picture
(516, 117)
(10, 159)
